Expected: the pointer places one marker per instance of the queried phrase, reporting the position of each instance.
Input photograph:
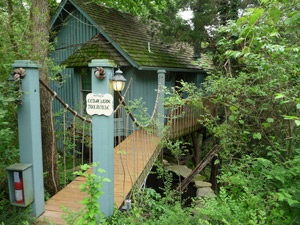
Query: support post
(30, 138)
(161, 103)
(103, 136)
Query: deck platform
(136, 154)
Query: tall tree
(40, 17)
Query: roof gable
(97, 48)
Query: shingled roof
(97, 48)
(130, 34)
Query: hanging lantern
(118, 80)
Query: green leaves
(279, 95)
(91, 211)
(294, 19)
(232, 118)
(9, 152)
(256, 14)
(250, 101)
(275, 15)
(257, 136)
(240, 40)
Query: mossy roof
(97, 48)
(132, 36)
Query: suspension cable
(62, 102)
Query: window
(86, 86)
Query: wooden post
(103, 136)
(161, 103)
(196, 145)
(30, 138)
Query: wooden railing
(183, 119)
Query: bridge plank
(136, 154)
(70, 195)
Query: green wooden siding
(145, 86)
(70, 37)
(76, 31)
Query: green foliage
(176, 147)
(257, 91)
(13, 42)
(227, 210)
(149, 207)
(90, 213)
(16, 215)
(257, 191)
(259, 86)
(8, 134)
(167, 178)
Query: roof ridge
(104, 6)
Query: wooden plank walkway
(136, 154)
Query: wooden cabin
(85, 31)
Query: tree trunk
(11, 27)
(40, 36)
(214, 173)
(196, 145)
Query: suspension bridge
(133, 157)
(136, 146)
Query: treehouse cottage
(86, 31)
(89, 36)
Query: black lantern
(118, 80)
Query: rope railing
(184, 118)
(72, 133)
(122, 102)
(53, 93)
(136, 147)
(122, 98)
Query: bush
(9, 152)
(257, 191)
(17, 215)
(149, 207)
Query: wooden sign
(99, 104)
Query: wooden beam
(199, 167)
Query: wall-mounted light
(118, 80)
